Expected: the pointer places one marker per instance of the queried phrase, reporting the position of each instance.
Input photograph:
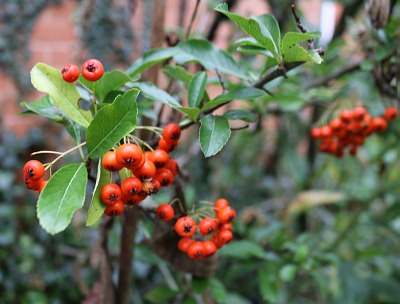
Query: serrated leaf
(48, 80)
(293, 38)
(236, 94)
(151, 58)
(111, 123)
(211, 57)
(214, 134)
(257, 27)
(178, 73)
(63, 194)
(240, 115)
(196, 89)
(44, 107)
(296, 53)
(243, 249)
(149, 90)
(97, 207)
(110, 81)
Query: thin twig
(221, 80)
(301, 27)
(192, 19)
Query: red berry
(335, 124)
(315, 132)
(70, 73)
(129, 156)
(185, 226)
(346, 116)
(42, 184)
(132, 200)
(110, 194)
(225, 236)
(226, 215)
(159, 158)
(165, 212)
(171, 133)
(32, 184)
(167, 147)
(172, 165)
(219, 204)
(33, 170)
(131, 186)
(196, 250)
(184, 244)
(165, 177)
(390, 113)
(115, 209)
(109, 162)
(227, 226)
(92, 70)
(207, 226)
(359, 113)
(209, 248)
(147, 171)
(379, 124)
(326, 132)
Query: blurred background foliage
(311, 228)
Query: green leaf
(191, 113)
(248, 49)
(199, 284)
(97, 207)
(63, 194)
(44, 107)
(293, 38)
(218, 290)
(111, 81)
(151, 58)
(236, 94)
(161, 294)
(296, 53)
(211, 57)
(288, 272)
(240, 115)
(48, 80)
(250, 41)
(242, 250)
(268, 284)
(214, 134)
(149, 90)
(178, 73)
(257, 27)
(111, 123)
(197, 87)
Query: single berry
(33, 170)
(70, 73)
(315, 132)
(42, 184)
(159, 158)
(167, 147)
(109, 162)
(207, 226)
(226, 215)
(209, 248)
(219, 204)
(225, 236)
(346, 116)
(92, 70)
(172, 165)
(165, 212)
(359, 113)
(132, 200)
(115, 209)
(147, 171)
(184, 244)
(32, 184)
(196, 250)
(185, 226)
(131, 186)
(165, 177)
(390, 113)
(129, 155)
(110, 194)
(379, 124)
(171, 133)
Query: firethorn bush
(304, 161)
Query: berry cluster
(350, 130)
(33, 175)
(218, 229)
(92, 70)
(150, 170)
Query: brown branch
(192, 19)
(301, 27)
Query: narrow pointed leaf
(63, 194)
(241, 115)
(197, 87)
(296, 53)
(149, 90)
(236, 94)
(270, 28)
(111, 123)
(48, 80)
(44, 107)
(211, 57)
(252, 27)
(293, 38)
(97, 207)
(151, 58)
(214, 134)
(177, 72)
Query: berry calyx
(129, 156)
(33, 170)
(92, 70)
(165, 212)
(196, 250)
(207, 226)
(185, 226)
(115, 209)
(171, 133)
(110, 194)
(109, 162)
